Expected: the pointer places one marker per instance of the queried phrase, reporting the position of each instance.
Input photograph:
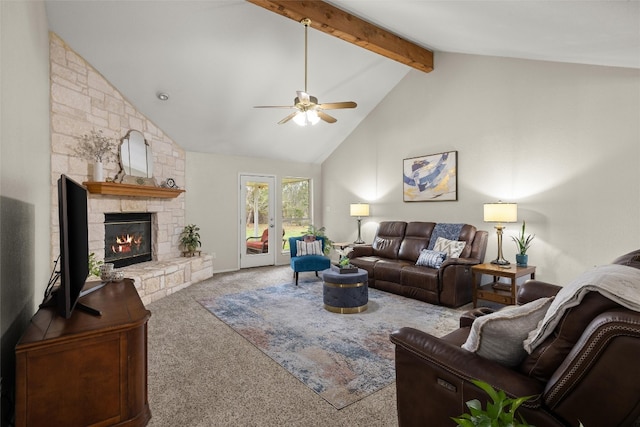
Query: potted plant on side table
(190, 240)
(523, 243)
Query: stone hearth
(156, 279)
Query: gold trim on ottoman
(344, 285)
(346, 310)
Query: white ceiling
(219, 58)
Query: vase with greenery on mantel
(523, 243)
(190, 240)
(98, 148)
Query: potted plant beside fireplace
(190, 240)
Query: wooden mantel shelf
(117, 189)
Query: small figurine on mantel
(169, 183)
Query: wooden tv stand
(86, 370)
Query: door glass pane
(257, 220)
(296, 208)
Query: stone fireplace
(127, 238)
(83, 100)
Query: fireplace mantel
(117, 189)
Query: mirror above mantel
(136, 160)
(135, 178)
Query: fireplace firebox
(127, 238)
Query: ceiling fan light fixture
(306, 118)
(309, 111)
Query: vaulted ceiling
(217, 59)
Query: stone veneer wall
(82, 100)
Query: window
(296, 207)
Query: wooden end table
(500, 292)
(341, 245)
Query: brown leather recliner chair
(587, 371)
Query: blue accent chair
(307, 262)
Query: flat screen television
(74, 246)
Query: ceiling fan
(308, 111)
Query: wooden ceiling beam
(338, 23)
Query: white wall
(24, 175)
(24, 129)
(212, 192)
(561, 140)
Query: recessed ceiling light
(162, 96)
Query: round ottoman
(345, 293)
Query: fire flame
(126, 243)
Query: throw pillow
(308, 248)
(433, 259)
(309, 238)
(499, 336)
(452, 248)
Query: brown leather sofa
(391, 263)
(587, 371)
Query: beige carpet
(202, 373)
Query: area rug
(342, 357)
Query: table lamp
(499, 213)
(359, 210)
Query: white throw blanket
(619, 283)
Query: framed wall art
(431, 178)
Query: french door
(258, 243)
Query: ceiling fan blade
(289, 117)
(327, 118)
(337, 105)
(274, 106)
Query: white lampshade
(359, 209)
(500, 212)
(309, 117)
